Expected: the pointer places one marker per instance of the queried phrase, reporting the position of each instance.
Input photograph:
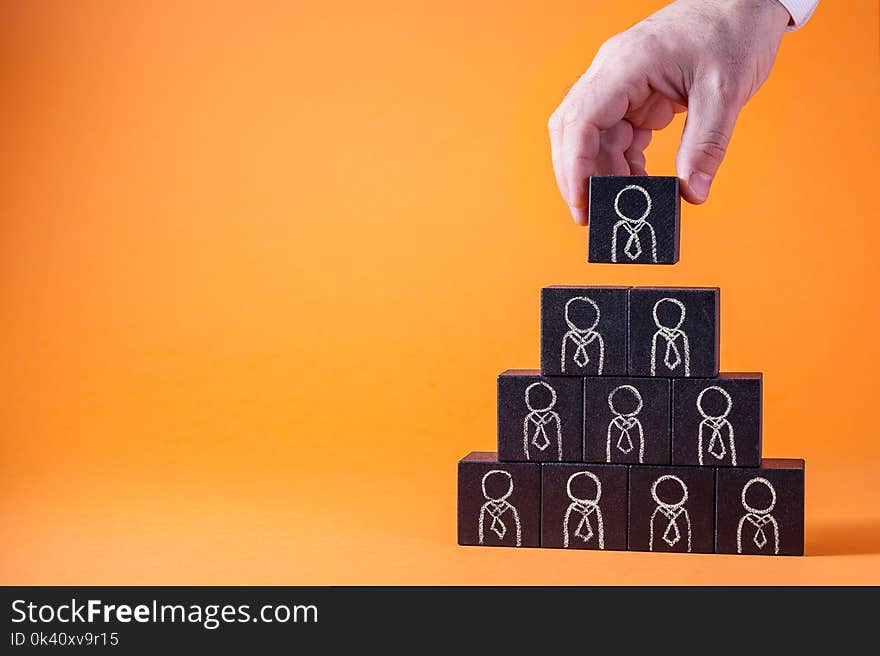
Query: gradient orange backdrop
(261, 262)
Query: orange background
(261, 263)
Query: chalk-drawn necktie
(497, 509)
(759, 522)
(582, 339)
(671, 535)
(672, 357)
(539, 436)
(624, 425)
(633, 247)
(716, 441)
(584, 529)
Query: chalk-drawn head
(625, 401)
(540, 397)
(714, 403)
(760, 499)
(582, 314)
(672, 488)
(497, 485)
(669, 313)
(634, 218)
(584, 487)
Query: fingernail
(578, 215)
(699, 184)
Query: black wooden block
(634, 219)
(761, 510)
(499, 504)
(626, 420)
(539, 418)
(717, 421)
(583, 506)
(583, 331)
(671, 509)
(674, 332)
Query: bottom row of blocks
(637, 507)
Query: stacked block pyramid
(629, 437)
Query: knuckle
(616, 45)
(640, 42)
(571, 113)
(727, 86)
(713, 31)
(650, 44)
(712, 144)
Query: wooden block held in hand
(634, 220)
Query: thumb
(712, 113)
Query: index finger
(597, 101)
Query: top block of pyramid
(634, 220)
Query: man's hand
(707, 56)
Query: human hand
(707, 56)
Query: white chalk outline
(625, 421)
(583, 337)
(585, 507)
(633, 226)
(758, 518)
(496, 507)
(540, 417)
(670, 335)
(671, 511)
(717, 424)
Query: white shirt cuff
(800, 11)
